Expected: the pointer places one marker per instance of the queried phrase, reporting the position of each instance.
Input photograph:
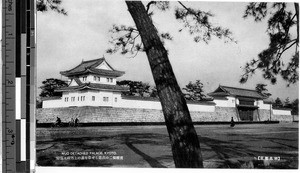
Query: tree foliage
(153, 92)
(262, 89)
(38, 103)
(126, 39)
(49, 86)
(283, 31)
(194, 91)
(46, 5)
(278, 103)
(136, 88)
(287, 103)
(295, 107)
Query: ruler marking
(9, 43)
(18, 87)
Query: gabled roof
(239, 92)
(77, 81)
(86, 67)
(94, 86)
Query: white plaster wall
(202, 108)
(225, 103)
(142, 104)
(103, 66)
(221, 103)
(281, 112)
(231, 101)
(88, 98)
(115, 100)
(262, 105)
(88, 101)
(147, 104)
(103, 79)
(73, 83)
(53, 104)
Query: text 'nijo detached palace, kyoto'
(93, 96)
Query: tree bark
(182, 134)
(297, 15)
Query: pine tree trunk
(184, 139)
(297, 15)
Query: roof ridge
(238, 88)
(92, 60)
(83, 62)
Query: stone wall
(117, 115)
(99, 114)
(105, 114)
(264, 114)
(220, 114)
(296, 117)
(282, 118)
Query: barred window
(105, 99)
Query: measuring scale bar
(18, 87)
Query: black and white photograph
(167, 84)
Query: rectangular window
(95, 78)
(107, 79)
(72, 99)
(93, 98)
(78, 98)
(98, 78)
(66, 99)
(105, 99)
(82, 98)
(111, 80)
(116, 99)
(84, 78)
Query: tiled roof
(140, 98)
(225, 90)
(248, 106)
(284, 109)
(268, 101)
(90, 67)
(94, 87)
(218, 94)
(51, 98)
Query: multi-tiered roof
(90, 67)
(87, 68)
